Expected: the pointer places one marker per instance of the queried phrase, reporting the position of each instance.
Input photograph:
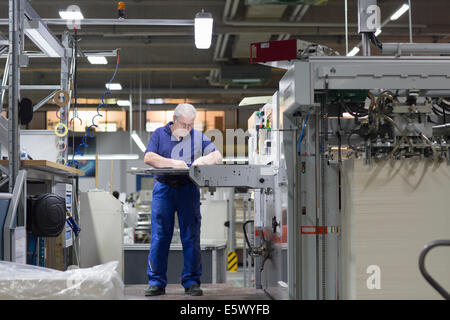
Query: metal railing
(426, 275)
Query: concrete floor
(232, 290)
(220, 291)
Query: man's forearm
(212, 158)
(157, 161)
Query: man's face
(183, 125)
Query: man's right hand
(179, 164)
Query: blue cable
(88, 130)
(301, 133)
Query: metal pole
(4, 82)
(416, 48)
(140, 103)
(12, 216)
(14, 82)
(317, 195)
(258, 229)
(346, 27)
(64, 83)
(244, 207)
(410, 23)
(323, 143)
(231, 219)
(131, 120)
(365, 42)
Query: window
(110, 120)
(205, 120)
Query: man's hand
(210, 159)
(179, 164)
(199, 162)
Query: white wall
(116, 143)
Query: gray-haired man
(177, 145)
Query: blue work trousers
(186, 201)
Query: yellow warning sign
(232, 261)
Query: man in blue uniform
(177, 145)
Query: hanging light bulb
(203, 30)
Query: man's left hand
(199, 162)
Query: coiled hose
(83, 143)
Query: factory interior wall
(116, 143)
(392, 209)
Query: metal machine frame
(299, 88)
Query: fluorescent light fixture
(113, 86)
(41, 37)
(347, 115)
(378, 32)
(97, 60)
(138, 141)
(203, 30)
(154, 101)
(248, 101)
(246, 80)
(123, 103)
(107, 157)
(400, 12)
(71, 15)
(354, 51)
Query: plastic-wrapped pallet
(27, 282)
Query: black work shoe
(194, 290)
(154, 291)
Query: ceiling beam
(128, 68)
(173, 91)
(318, 28)
(158, 107)
(152, 3)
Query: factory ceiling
(162, 61)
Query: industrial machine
(332, 119)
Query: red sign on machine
(273, 51)
(319, 230)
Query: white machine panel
(101, 236)
(214, 215)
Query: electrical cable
(302, 132)
(361, 112)
(404, 136)
(443, 104)
(428, 141)
(88, 130)
(250, 247)
(375, 41)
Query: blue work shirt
(189, 148)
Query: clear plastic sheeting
(26, 282)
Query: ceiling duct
(289, 2)
(245, 75)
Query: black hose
(250, 248)
(361, 112)
(375, 41)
